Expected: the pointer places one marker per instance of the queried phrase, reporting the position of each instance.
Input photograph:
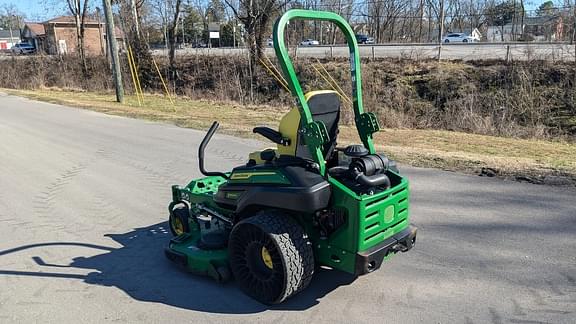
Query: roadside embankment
(532, 160)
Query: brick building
(58, 36)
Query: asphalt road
(83, 201)
(466, 52)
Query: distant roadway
(466, 52)
(83, 209)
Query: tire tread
(294, 247)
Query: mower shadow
(141, 270)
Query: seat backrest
(324, 106)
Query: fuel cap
(355, 150)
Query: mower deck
(184, 251)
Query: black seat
(306, 191)
(325, 107)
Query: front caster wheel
(271, 257)
(179, 220)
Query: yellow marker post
(135, 67)
(281, 81)
(133, 77)
(163, 83)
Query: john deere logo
(389, 214)
(232, 195)
(248, 175)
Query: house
(543, 28)
(33, 33)
(58, 36)
(9, 38)
(546, 28)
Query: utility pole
(11, 36)
(113, 50)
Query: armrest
(272, 135)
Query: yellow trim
(267, 258)
(178, 226)
(290, 123)
(311, 94)
(256, 155)
(248, 175)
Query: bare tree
(79, 9)
(169, 12)
(256, 15)
(172, 33)
(10, 17)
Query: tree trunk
(251, 33)
(80, 38)
(522, 17)
(261, 34)
(421, 20)
(429, 23)
(172, 39)
(573, 40)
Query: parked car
(270, 42)
(459, 38)
(364, 39)
(309, 42)
(23, 48)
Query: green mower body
(271, 222)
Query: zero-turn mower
(308, 203)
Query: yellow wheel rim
(267, 258)
(178, 226)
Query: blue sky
(37, 10)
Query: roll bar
(366, 123)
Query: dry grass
(521, 100)
(531, 160)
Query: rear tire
(271, 257)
